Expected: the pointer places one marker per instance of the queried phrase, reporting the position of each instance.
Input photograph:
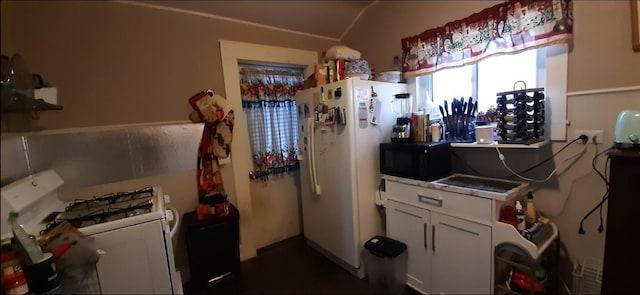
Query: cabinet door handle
(433, 238)
(430, 200)
(425, 226)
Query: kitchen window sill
(494, 144)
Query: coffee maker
(403, 129)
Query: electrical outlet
(591, 133)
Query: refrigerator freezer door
(328, 217)
(366, 150)
(343, 215)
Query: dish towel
(216, 140)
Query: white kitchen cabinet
(446, 254)
(451, 231)
(462, 256)
(410, 225)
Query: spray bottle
(531, 209)
(520, 217)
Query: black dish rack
(521, 115)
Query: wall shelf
(499, 145)
(28, 106)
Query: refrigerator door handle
(312, 158)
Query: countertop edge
(460, 190)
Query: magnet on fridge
(338, 92)
(306, 110)
(375, 111)
(343, 116)
(362, 115)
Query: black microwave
(416, 160)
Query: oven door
(138, 260)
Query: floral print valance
(269, 84)
(508, 27)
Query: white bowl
(391, 76)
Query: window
(499, 73)
(545, 67)
(483, 80)
(456, 82)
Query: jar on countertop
(13, 279)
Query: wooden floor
(289, 267)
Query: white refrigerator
(340, 127)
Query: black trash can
(385, 262)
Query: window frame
(551, 74)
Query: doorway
(255, 230)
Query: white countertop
(500, 195)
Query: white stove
(131, 227)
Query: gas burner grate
(112, 198)
(105, 208)
(105, 213)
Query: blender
(403, 129)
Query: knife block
(520, 116)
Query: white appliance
(131, 227)
(628, 129)
(341, 125)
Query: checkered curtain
(272, 117)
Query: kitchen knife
(448, 121)
(452, 119)
(457, 120)
(475, 108)
(446, 107)
(454, 107)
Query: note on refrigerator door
(363, 114)
(362, 93)
(375, 109)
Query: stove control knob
(167, 199)
(169, 215)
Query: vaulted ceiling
(325, 19)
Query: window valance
(508, 27)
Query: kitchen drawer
(465, 206)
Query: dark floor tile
(289, 267)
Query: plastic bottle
(531, 210)
(520, 217)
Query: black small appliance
(416, 160)
(402, 131)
